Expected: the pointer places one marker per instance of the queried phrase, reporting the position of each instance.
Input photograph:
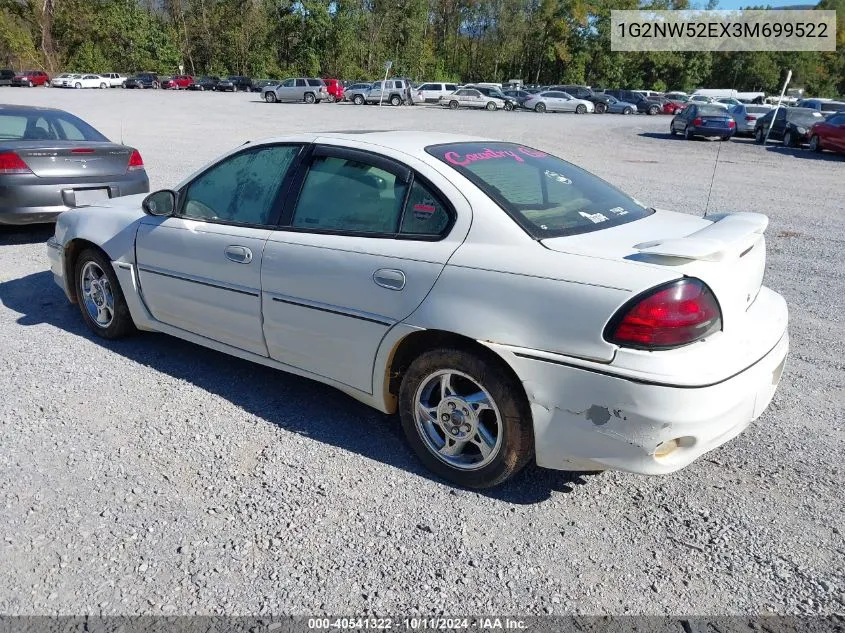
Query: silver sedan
(746, 116)
(557, 101)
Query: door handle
(238, 254)
(389, 278)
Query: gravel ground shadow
(293, 403)
(28, 234)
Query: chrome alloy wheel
(97, 294)
(458, 420)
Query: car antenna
(713, 178)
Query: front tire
(77, 85)
(465, 417)
(601, 108)
(453, 105)
(815, 144)
(540, 108)
(581, 109)
(653, 110)
(788, 140)
(395, 100)
(672, 130)
(101, 299)
(491, 106)
(628, 111)
(103, 86)
(270, 97)
(358, 100)
(508, 106)
(759, 136)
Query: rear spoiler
(730, 233)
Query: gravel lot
(154, 476)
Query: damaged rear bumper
(585, 419)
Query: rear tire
(309, 97)
(815, 144)
(395, 100)
(77, 85)
(30, 84)
(628, 111)
(540, 108)
(270, 97)
(497, 418)
(687, 134)
(653, 110)
(601, 108)
(358, 100)
(672, 130)
(759, 136)
(508, 106)
(103, 86)
(156, 85)
(453, 105)
(108, 292)
(581, 109)
(788, 140)
(491, 107)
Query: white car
(432, 91)
(557, 101)
(470, 98)
(59, 81)
(506, 303)
(88, 81)
(115, 80)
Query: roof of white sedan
(408, 141)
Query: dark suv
(639, 100)
(583, 92)
(6, 77)
(143, 80)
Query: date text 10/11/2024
(417, 624)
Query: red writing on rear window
(491, 154)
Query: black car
(6, 77)
(519, 95)
(234, 83)
(510, 102)
(598, 99)
(639, 100)
(703, 119)
(207, 82)
(143, 80)
(791, 125)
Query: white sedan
(87, 81)
(557, 101)
(506, 303)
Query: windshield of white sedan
(547, 196)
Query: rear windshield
(803, 115)
(41, 125)
(712, 110)
(757, 109)
(547, 196)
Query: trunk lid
(74, 159)
(725, 251)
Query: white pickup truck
(116, 80)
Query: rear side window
(315, 82)
(547, 196)
(425, 213)
(349, 196)
(300, 83)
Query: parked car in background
(206, 82)
(579, 295)
(701, 99)
(703, 119)
(6, 76)
(728, 101)
(470, 98)
(335, 89)
(177, 82)
(677, 95)
(89, 81)
(393, 91)
(307, 89)
(615, 106)
(496, 93)
(643, 104)
(62, 80)
(791, 125)
(115, 80)
(829, 134)
(143, 80)
(825, 106)
(598, 99)
(557, 101)
(52, 161)
(431, 91)
(746, 115)
(357, 93)
(31, 78)
(520, 96)
(259, 84)
(234, 83)
(667, 106)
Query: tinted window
(428, 87)
(300, 83)
(804, 115)
(242, 188)
(752, 109)
(50, 126)
(711, 110)
(347, 195)
(832, 106)
(289, 83)
(451, 87)
(546, 195)
(425, 213)
(315, 82)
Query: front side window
(547, 196)
(350, 196)
(242, 188)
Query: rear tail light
(731, 123)
(135, 161)
(11, 163)
(697, 121)
(671, 315)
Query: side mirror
(160, 203)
